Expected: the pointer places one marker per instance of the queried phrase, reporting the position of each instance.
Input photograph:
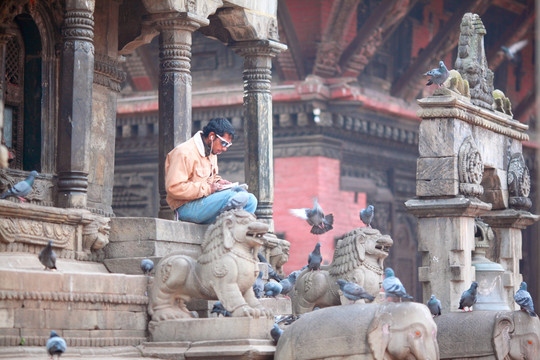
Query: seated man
(195, 191)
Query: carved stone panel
(519, 183)
(470, 169)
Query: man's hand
(223, 182)
(218, 185)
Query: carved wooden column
(259, 168)
(174, 89)
(5, 36)
(75, 118)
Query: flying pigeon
(434, 306)
(272, 289)
(524, 299)
(272, 274)
(468, 298)
(220, 310)
(511, 52)
(47, 257)
(22, 188)
(147, 266)
(258, 286)
(289, 281)
(56, 345)
(315, 258)
(316, 218)
(438, 75)
(353, 291)
(276, 333)
(366, 215)
(393, 287)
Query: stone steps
(74, 353)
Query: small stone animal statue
(225, 271)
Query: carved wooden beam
(331, 47)
(410, 83)
(290, 64)
(525, 105)
(377, 29)
(516, 31)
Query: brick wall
(297, 181)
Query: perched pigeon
(366, 215)
(56, 345)
(438, 75)
(258, 286)
(272, 289)
(47, 256)
(524, 299)
(468, 298)
(434, 306)
(22, 188)
(393, 287)
(316, 218)
(220, 310)
(315, 258)
(276, 333)
(238, 201)
(147, 266)
(272, 274)
(353, 291)
(511, 52)
(289, 281)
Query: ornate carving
(502, 103)
(79, 25)
(470, 169)
(471, 62)
(36, 232)
(454, 83)
(96, 233)
(225, 271)
(519, 183)
(107, 72)
(276, 251)
(358, 257)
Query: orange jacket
(189, 173)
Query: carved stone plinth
(446, 240)
(488, 335)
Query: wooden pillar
(174, 89)
(259, 168)
(74, 121)
(5, 36)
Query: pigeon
(438, 75)
(353, 291)
(22, 188)
(272, 289)
(434, 306)
(393, 287)
(366, 215)
(56, 345)
(276, 333)
(272, 274)
(316, 218)
(237, 201)
(147, 266)
(220, 310)
(524, 299)
(47, 257)
(288, 283)
(468, 298)
(315, 258)
(258, 286)
(511, 52)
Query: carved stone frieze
(108, 73)
(519, 183)
(471, 62)
(470, 168)
(36, 232)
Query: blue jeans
(206, 209)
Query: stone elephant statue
(506, 335)
(397, 331)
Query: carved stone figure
(96, 233)
(225, 271)
(455, 83)
(277, 252)
(470, 168)
(358, 257)
(519, 183)
(362, 331)
(502, 103)
(495, 335)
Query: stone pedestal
(446, 240)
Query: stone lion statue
(358, 257)
(225, 271)
(96, 233)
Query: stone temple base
(213, 338)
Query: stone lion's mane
(347, 253)
(213, 245)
